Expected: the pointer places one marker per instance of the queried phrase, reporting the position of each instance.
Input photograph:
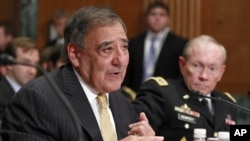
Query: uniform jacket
(174, 112)
(6, 93)
(166, 65)
(36, 113)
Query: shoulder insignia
(230, 96)
(183, 139)
(160, 80)
(129, 91)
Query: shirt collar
(90, 92)
(13, 84)
(160, 35)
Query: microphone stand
(200, 95)
(59, 93)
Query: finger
(148, 138)
(140, 123)
(142, 131)
(136, 130)
(152, 138)
(144, 138)
(143, 117)
(142, 120)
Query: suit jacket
(6, 93)
(166, 65)
(173, 111)
(37, 114)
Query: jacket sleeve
(150, 100)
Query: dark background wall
(226, 20)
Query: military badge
(183, 139)
(187, 110)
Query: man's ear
(9, 67)
(73, 54)
(182, 62)
(222, 70)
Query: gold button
(186, 96)
(185, 106)
(186, 126)
(215, 134)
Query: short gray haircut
(202, 41)
(83, 20)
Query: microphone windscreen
(6, 59)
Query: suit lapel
(136, 50)
(8, 90)
(165, 50)
(140, 53)
(80, 103)
(121, 127)
(116, 117)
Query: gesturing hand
(142, 131)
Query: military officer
(171, 106)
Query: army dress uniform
(173, 111)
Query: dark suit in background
(6, 92)
(166, 65)
(158, 44)
(174, 112)
(20, 48)
(44, 118)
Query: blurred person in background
(6, 35)
(58, 22)
(52, 57)
(155, 52)
(23, 49)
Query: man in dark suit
(6, 93)
(166, 48)
(171, 106)
(97, 57)
(22, 49)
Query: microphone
(198, 94)
(6, 59)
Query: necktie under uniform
(107, 129)
(149, 63)
(209, 105)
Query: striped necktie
(150, 60)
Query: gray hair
(202, 41)
(83, 20)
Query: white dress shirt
(13, 84)
(92, 98)
(161, 36)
